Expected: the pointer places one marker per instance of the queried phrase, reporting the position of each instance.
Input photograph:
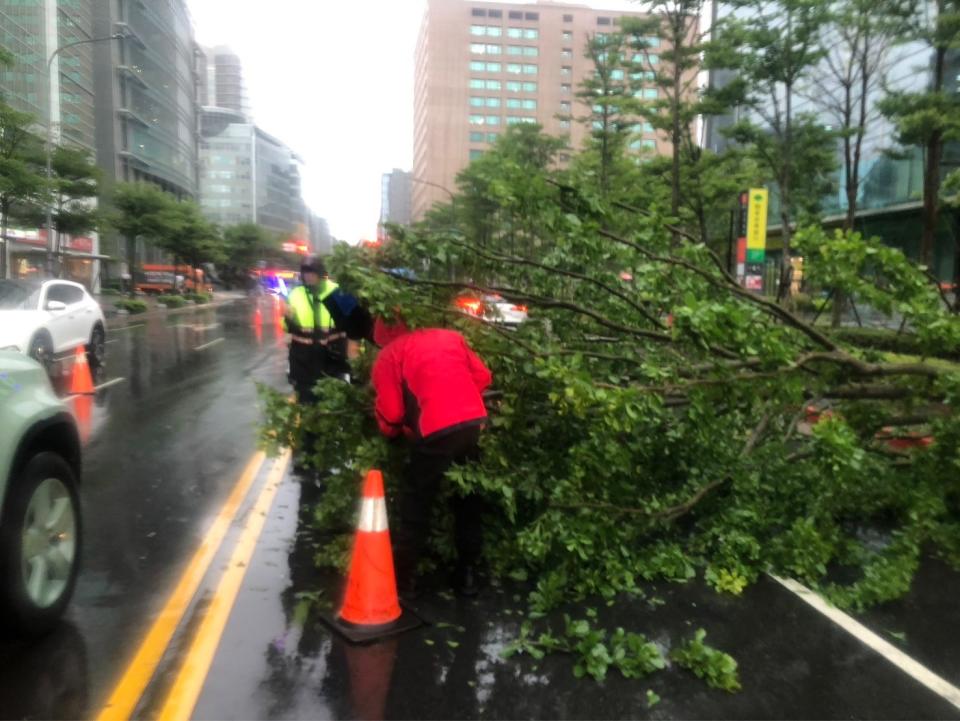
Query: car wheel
(40, 541)
(97, 348)
(41, 350)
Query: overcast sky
(334, 80)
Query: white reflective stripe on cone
(373, 515)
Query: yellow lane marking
(186, 689)
(126, 694)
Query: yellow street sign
(757, 219)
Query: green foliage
(628, 448)
(198, 298)
(172, 301)
(715, 667)
(76, 181)
(23, 183)
(131, 305)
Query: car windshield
(18, 295)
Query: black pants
(429, 461)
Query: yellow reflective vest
(301, 308)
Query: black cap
(313, 264)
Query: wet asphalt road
(166, 445)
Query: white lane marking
(211, 343)
(373, 515)
(111, 382)
(197, 328)
(894, 655)
(127, 327)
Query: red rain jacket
(427, 382)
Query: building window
(495, 13)
(476, 120)
(565, 124)
(651, 58)
(492, 137)
(649, 144)
(565, 106)
(477, 67)
(493, 67)
(603, 21)
(566, 53)
(478, 29)
(514, 86)
(514, 68)
(476, 137)
(477, 84)
(529, 69)
(493, 120)
(493, 85)
(529, 104)
(647, 76)
(531, 34)
(565, 89)
(476, 102)
(514, 50)
(494, 49)
(477, 48)
(493, 102)
(475, 153)
(529, 87)
(515, 33)
(531, 52)
(515, 15)
(647, 42)
(494, 31)
(567, 36)
(514, 120)
(616, 74)
(531, 16)
(568, 18)
(566, 70)
(513, 103)
(650, 93)
(478, 12)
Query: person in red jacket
(429, 387)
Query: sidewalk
(116, 318)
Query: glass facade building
(891, 188)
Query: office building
(247, 175)
(32, 32)
(482, 66)
(321, 240)
(220, 80)
(396, 197)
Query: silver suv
(40, 528)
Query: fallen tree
(654, 421)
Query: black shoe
(466, 581)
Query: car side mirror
(56, 306)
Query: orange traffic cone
(83, 413)
(371, 608)
(81, 381)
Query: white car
(493, 309)
(48, 320)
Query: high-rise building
(32, 32)
(321, 241)
(247, 175)
(220, 80)
(146, 112)
(481, 66)
(396, 197)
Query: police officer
(317, 348)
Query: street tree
(929, 118)
(775, 46)
(23, 184)
(850, 74)
(75, 186)
(142, 212)
(245, 245)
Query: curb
(123, 321)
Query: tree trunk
(675, 130)
(931, 171)
(132, 265)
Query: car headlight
(11, 347)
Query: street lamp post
(49, 143)
(415, 179)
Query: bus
(158, 278)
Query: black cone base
(355, 633)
